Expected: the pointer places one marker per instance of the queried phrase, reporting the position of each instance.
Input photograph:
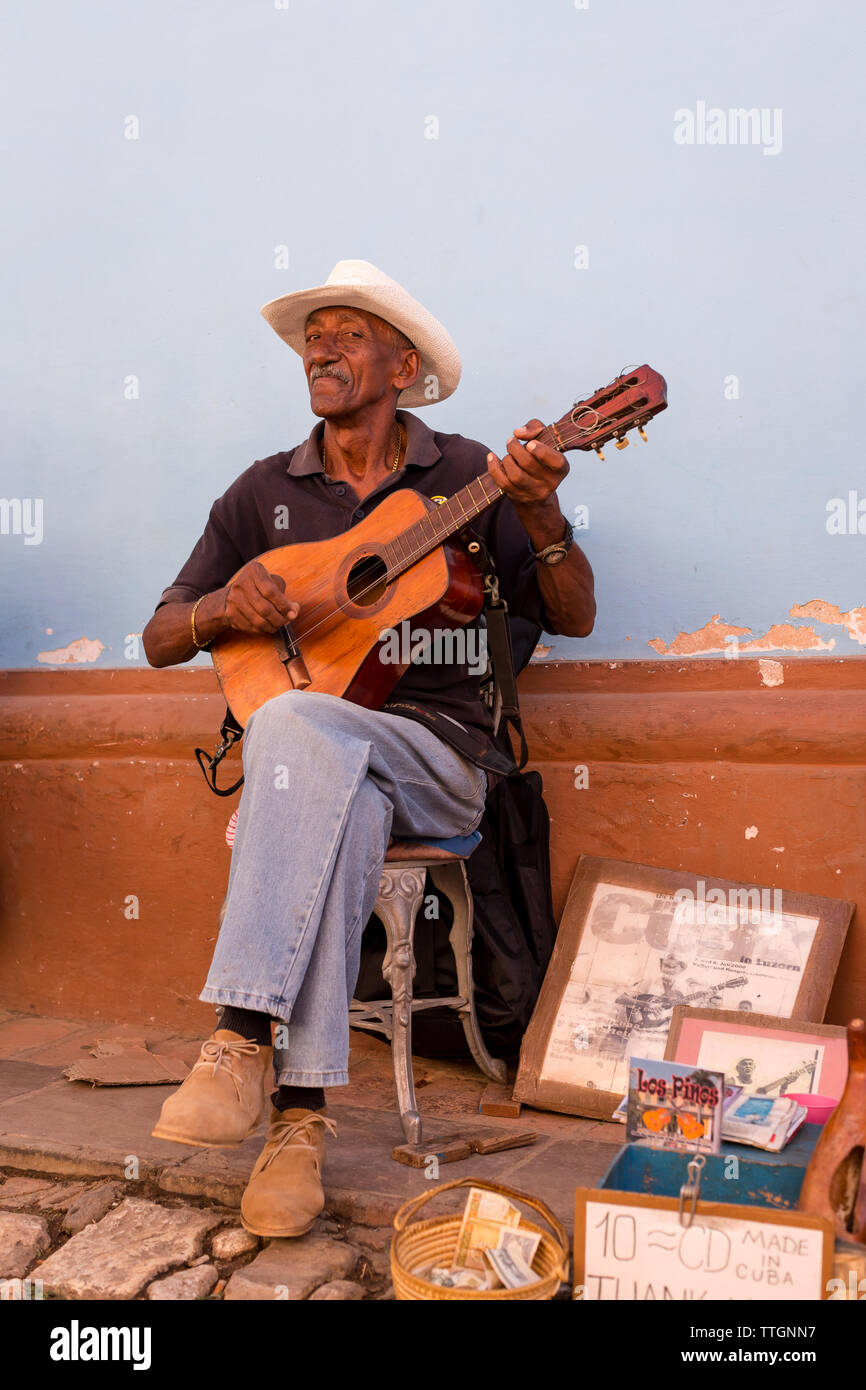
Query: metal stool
(401, 894)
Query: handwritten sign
(630, 1246)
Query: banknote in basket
(521, 1242)
(485, 1216)
(510, 1267)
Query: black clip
(230, 734)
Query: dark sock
(252, 1026)
(299, 1098)
(257, 1028)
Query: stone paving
(93, 1207)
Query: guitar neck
(787, 1080)
(451, 516)
(628, 402)
(440, 525)
(713, 989)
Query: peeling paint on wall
(785, 637)
(83, 650)
(854, 621)
(772, 672)
(709, 638)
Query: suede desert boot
(284, 1194)
(223, 1099)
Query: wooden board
(497, 1099)
(460, 1146)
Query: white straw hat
(361, 285)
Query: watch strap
(564, 544)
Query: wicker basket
(433, 1242)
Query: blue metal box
(761, 1179)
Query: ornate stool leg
(401, 892)
(451, 879)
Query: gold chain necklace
(395, 465)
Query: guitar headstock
(627, 403)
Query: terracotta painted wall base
(685, 764)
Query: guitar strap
(230, 733)
(505, 702)
(504, 675)
(500, 695)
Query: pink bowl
(819, 1108)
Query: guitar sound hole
(367, 580)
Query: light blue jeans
(326, 784)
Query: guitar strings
(405, 562)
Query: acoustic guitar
(398, 564)
(648, 1011)
(788, 1079)
(656, 1012)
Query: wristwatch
(556, 553)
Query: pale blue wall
(306, 125)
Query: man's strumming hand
(256, 600)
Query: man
(647, 1007)
(326, 781)
(650, 1003)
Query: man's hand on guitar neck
(529, 475)
(530, 472)
(255, 601)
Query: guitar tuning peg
(600, 455)
(622, 442)
(642, 432)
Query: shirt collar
(421, 447)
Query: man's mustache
(316, 372)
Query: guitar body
(345, 604)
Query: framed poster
(760, 1053)
(636, 941)
(631, 1246)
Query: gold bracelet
(202, 646)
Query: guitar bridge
(290, 656)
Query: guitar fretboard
(450, 517)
